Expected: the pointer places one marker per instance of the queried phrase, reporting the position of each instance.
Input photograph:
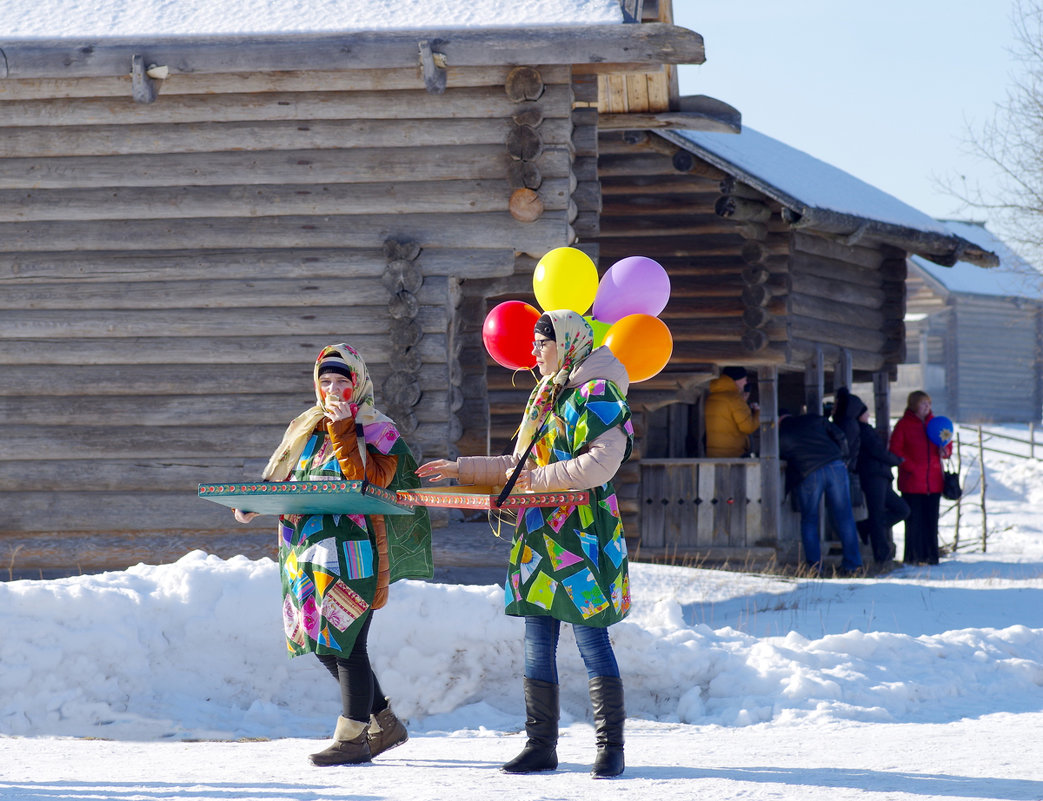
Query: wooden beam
(771, 473)
(441, 230)
(191, 379)
(814, 382)
(41, 141)
(216, 294)
(800, 352)
(375, 347)
(468, 103)
(244, 168)
(188, 265)
(882, 404)
(312, 321)
(664, 121)
(172, 203)
(654, 43)
(384, 80)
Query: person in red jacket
(919, 478)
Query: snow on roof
(59, 19)
(1014, 277)
(818, 193)
(808, 181)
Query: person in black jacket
(815, 451)
(846, 411)
(885, 506)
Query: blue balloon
(940, 430)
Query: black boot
(606, 696)
(541, 724)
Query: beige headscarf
(378, 429)
(575, 340)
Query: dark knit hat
(334, 363)
(734, 373)
(545, 327)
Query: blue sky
(884, 90)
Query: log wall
(746, 289)
(170, 270)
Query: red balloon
(507, 334)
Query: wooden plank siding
(169, 271)
(952, 346)
(992, 389)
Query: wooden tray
(478, 497)
(307, 498)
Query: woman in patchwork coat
(568, 563)
(336, 568)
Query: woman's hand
(524, 482)
(244, 517)
(339, 409)
(439, 470)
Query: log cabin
(778, 262)
(185, 220)
(959, 319)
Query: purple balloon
(634, 285)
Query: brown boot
(350, 745)
(385, 731)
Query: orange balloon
(642, 343)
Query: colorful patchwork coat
(570, 562)
(331, 565)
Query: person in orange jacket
(729, 418)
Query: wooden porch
(713, 511)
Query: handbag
(859, 510)
(951, 489)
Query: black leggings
(360, 693)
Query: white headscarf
(378, 429)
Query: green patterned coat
(570, 561)
(329, 563)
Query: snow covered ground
(171, 681)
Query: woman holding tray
(336, 568)
(567, 563)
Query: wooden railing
(710, 510)
(1033, 447)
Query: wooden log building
(778, 262)
(959, 320)
(184, 222)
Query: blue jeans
(830, 480)
(541, 649)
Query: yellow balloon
(565, 278)
(642, 343)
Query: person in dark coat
(815, 451)
(847, 408)
(884, 505)
(919, 478)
